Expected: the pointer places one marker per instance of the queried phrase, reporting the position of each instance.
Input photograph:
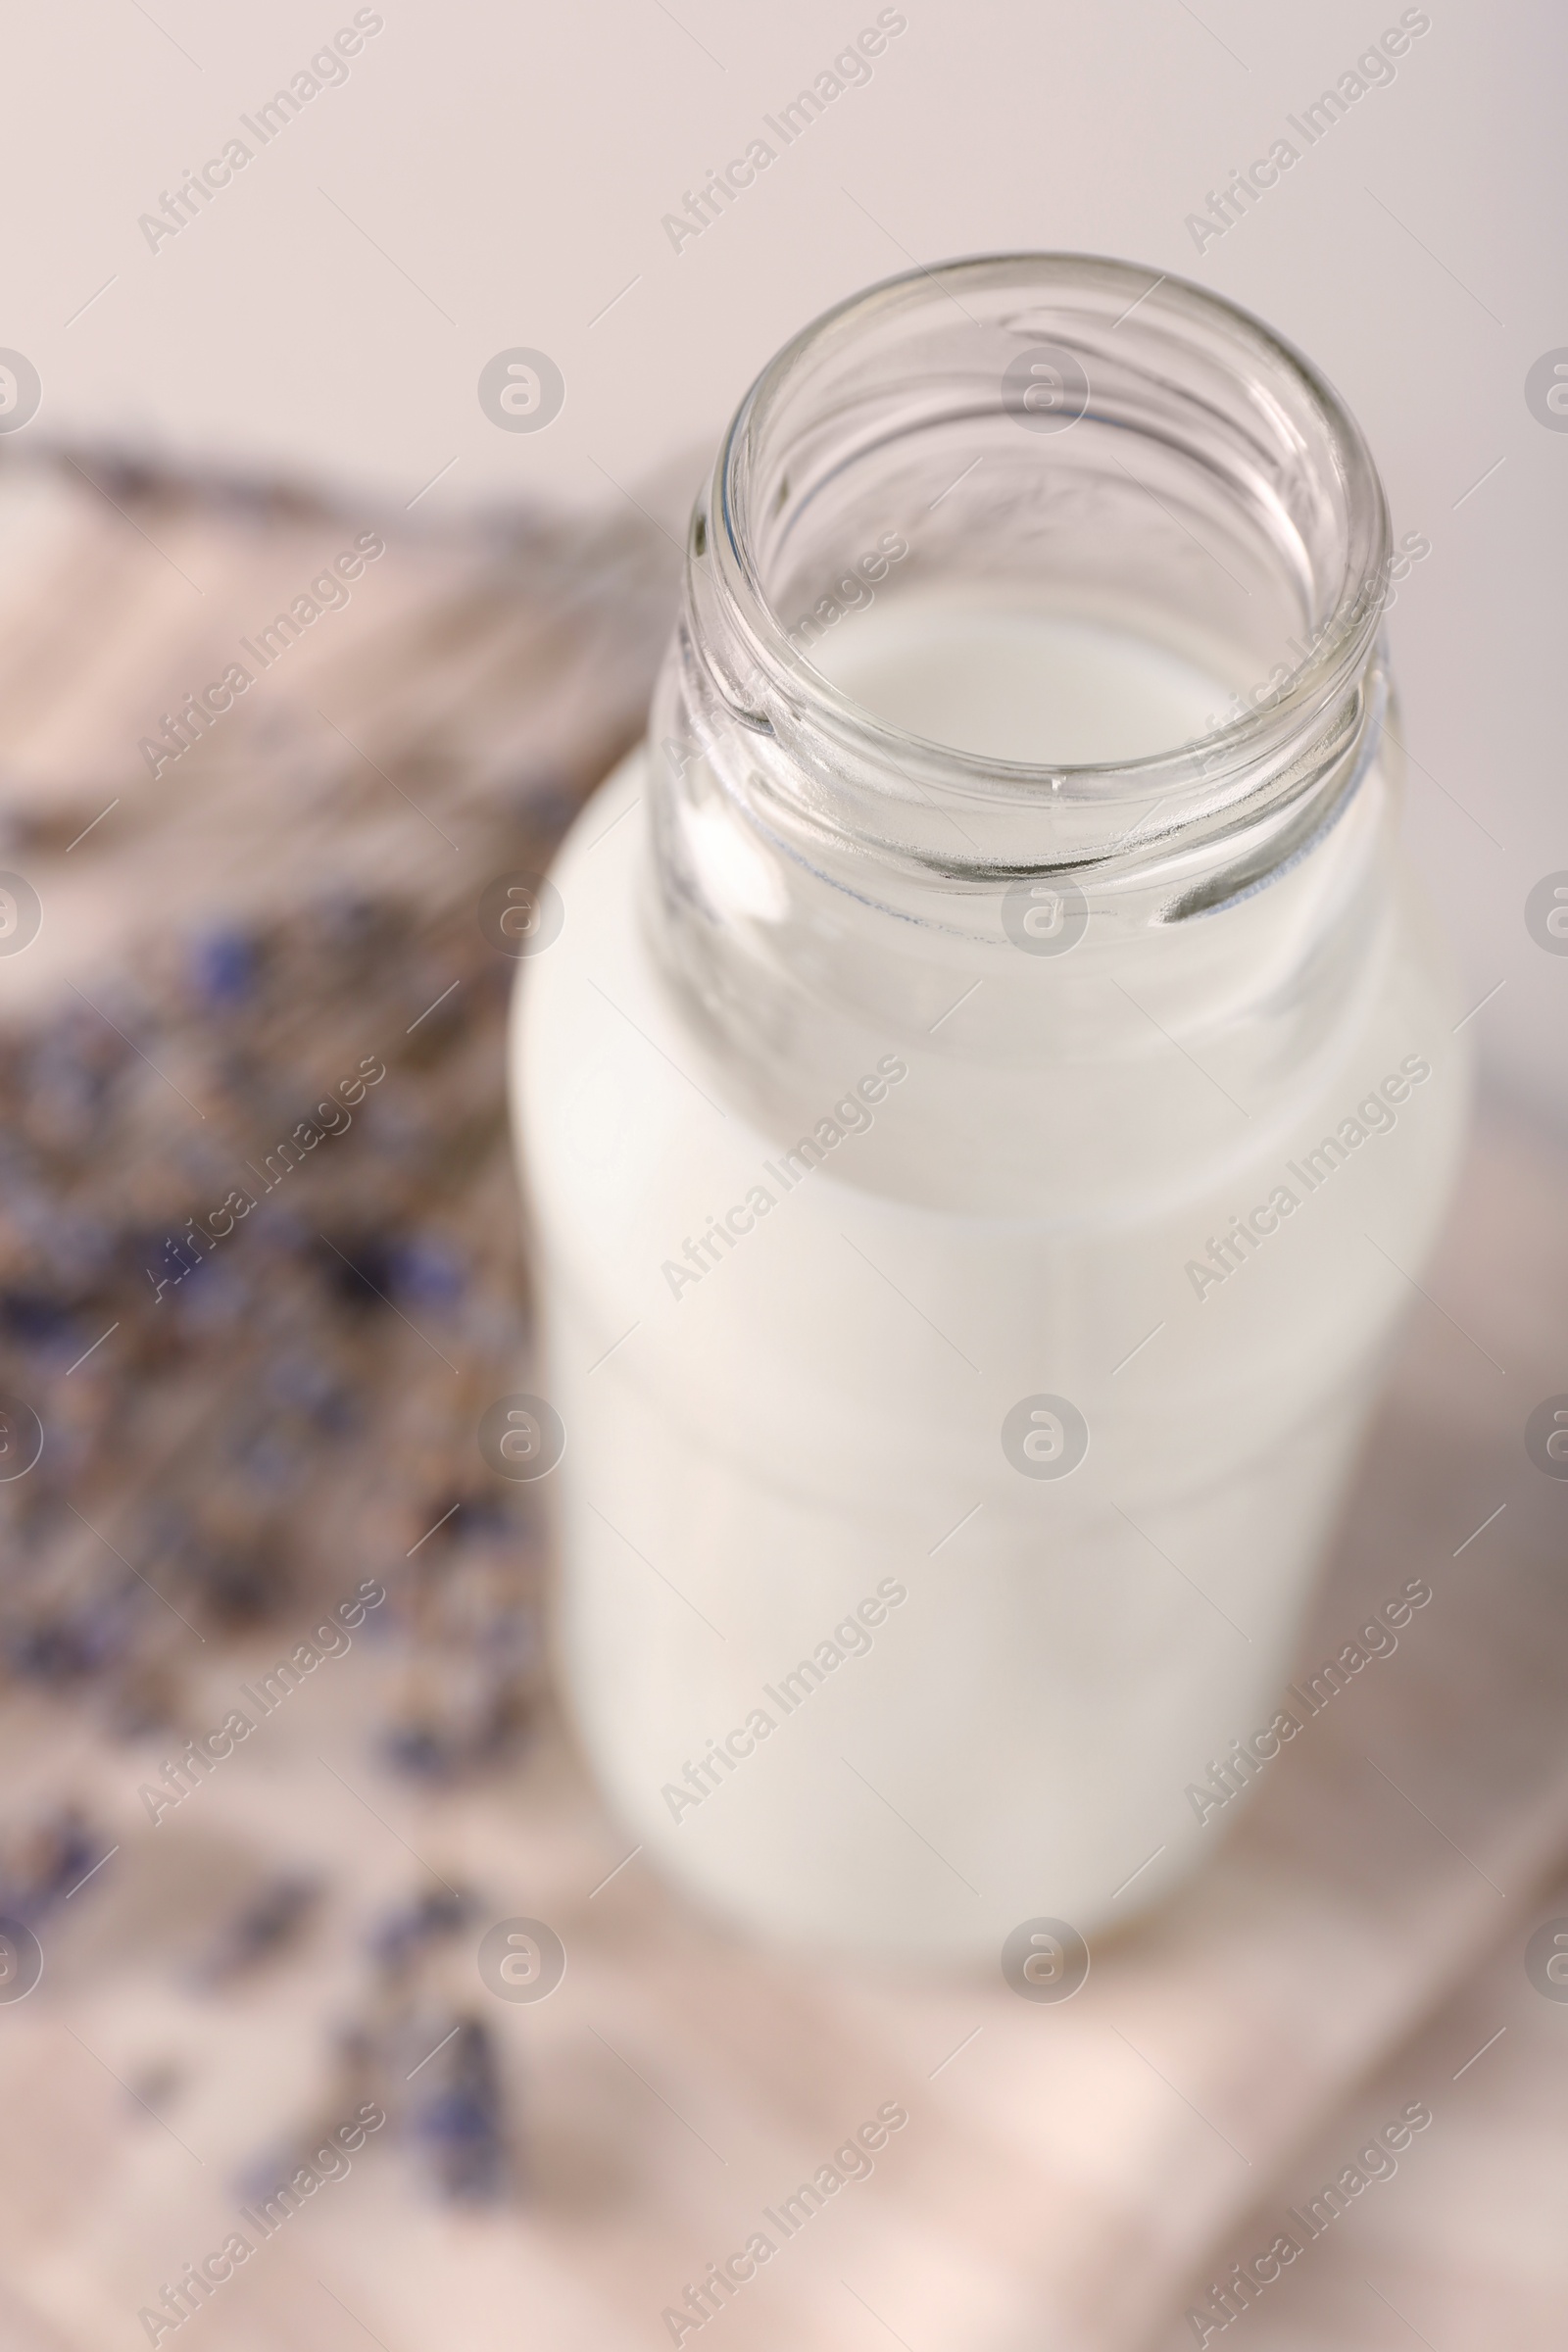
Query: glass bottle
(985, 1086)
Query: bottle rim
(1203, 774)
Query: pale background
(492, 177)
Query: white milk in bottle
(984, 1083)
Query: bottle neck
(835, 874)
(1200, 976)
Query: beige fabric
(1072, 2176)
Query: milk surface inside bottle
(984, 1085)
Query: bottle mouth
(1093, 439)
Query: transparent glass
(982, 1106)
